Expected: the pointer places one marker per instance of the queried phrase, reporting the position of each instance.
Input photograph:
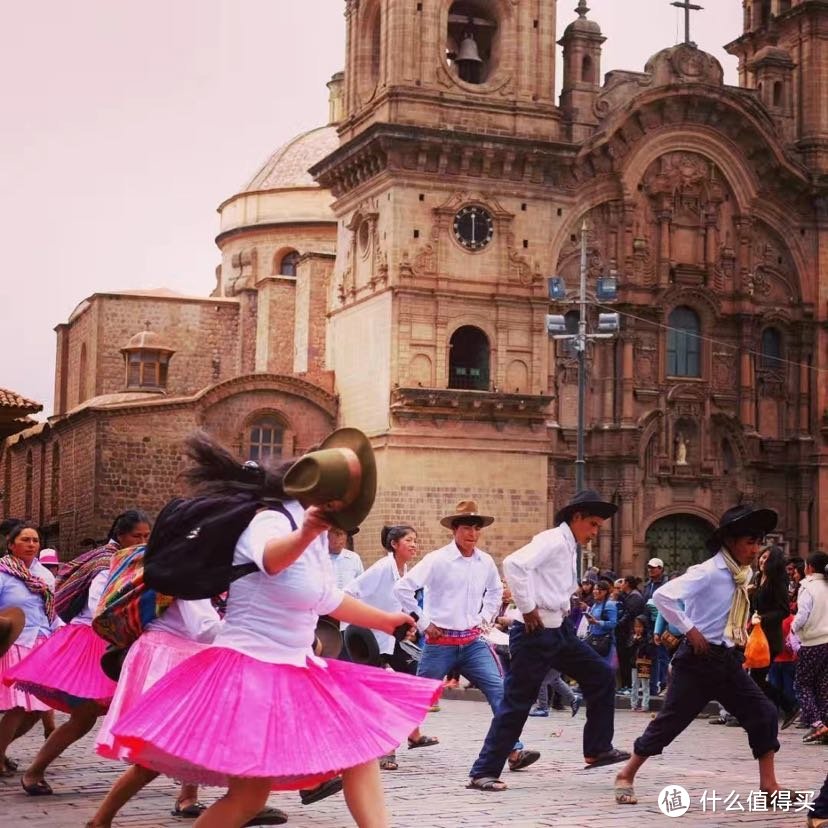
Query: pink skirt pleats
(14, 696)
(64, 670)
(149, 659)
(223, 714)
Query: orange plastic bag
(757, 649)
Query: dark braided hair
(214, 469)
(126, 522)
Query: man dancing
(708, 663)
(462, 592)
(542, 576)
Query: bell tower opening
(469, 359)
(472, 41)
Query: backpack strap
(240, 570)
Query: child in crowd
(643, 653)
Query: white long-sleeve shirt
(459, 592)
(543, 574)
(375, 586)
(707, 591)
(96, 588)
(811, 621)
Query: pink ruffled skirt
(223, 714)
(65, 670)
(12, 696)
(149, 659)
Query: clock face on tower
(473, 227)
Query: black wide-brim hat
(741, 521)
(340, 477)
(12, 621)
(362, 646)
(112, 661)
(587, 502)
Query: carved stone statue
(681, 450)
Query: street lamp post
(608, 326)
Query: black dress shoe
(327, 788)
(267, 816)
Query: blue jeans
(641, 683)
(532, 656)
(475, 661)
(659, 673)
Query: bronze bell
(468, 50)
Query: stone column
(627, 382)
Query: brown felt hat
(327, 637)
(340, 477)
(12, 621)
(465, 510)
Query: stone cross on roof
(688, 7)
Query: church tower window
(683, 343)
(265, 438)
(587, 70)
(771, 353)
(469, 359)
(288, 262)
(472, 43)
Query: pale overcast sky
(124, 124)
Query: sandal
(195, 809)
(9, 767)
(624, 794)
(389, 763)
(609, 757)
(524, 759)
(487, 783)
(816, 736)
(423, 741)
(41, 788)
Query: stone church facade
(389, 272)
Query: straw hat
(341, 477)
(12, 621)
(466, 509)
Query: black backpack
(190, 551)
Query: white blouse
(376, 587)
(14, 593)
(196, 620)
(273, 617)
(96, 588)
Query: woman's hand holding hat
(393, 620)
(315, 522)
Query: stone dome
(288, 166)
(147, 341)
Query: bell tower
(448, 185)
(451, 64)
(783, 54)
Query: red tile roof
(9, 399)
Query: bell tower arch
(452, 63)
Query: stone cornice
(456, 404)
(436, 152)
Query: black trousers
(532, 656)
(697, 680)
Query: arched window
(571, 320)
(771, 353)
(683, 343)
(287, 266)
(54, 500)
(265, 438)
(777, 93)
(469, 359)
(82, 369)
(29, 483)
(472, 40)
(587, 70)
